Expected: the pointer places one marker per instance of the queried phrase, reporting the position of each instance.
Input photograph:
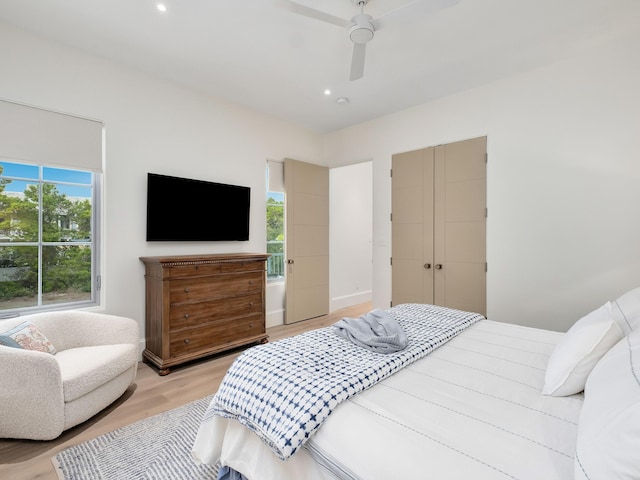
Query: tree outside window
(46, 236)
(275, 235)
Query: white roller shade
(276, 176)
(40, 136)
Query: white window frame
(95, 243)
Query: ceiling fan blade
(357, 61)
(411, 10)
(313, 13)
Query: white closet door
(439, 226)
(412, 227)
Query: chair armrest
(31, 395)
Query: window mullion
(40, 239)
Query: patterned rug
(157, 447)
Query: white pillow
(579, 350)
(626, 310)
(609, 425)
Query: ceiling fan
(361, 27)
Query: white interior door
(307, 241)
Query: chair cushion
(26, 335)
(84, 369)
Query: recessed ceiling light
(327, 92)
(162, 7)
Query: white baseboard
(274, 318)
(141, 346)
(349, 300)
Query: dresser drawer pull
(250, 304)
(186, 290)
(250, 282)
(186, 340)
(251, 325)
(186, 315)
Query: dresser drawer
(184, 271)
(194, 314)
(206, 337)
(238, 267)
(211, 288)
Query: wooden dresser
(197, 305)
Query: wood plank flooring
(151, 394)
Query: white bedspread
(472, 409)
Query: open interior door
(307, 241)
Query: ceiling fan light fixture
(360, 35)
(362, 30)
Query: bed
(469, 405)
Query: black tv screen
(182, 209)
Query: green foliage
(12, 289)
(275, 237)
(65, 268)
(70, 269)
(275, 223)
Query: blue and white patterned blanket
(283, 391)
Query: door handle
(290, 261)
(427, 266)
(438, 266)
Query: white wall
(564, 204)
(150, 125)
(351, 229)
(563, 233)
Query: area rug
(157, 447)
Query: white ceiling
(255, 53)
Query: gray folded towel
(377, 331)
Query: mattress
(470, 409)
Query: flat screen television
(183, 209)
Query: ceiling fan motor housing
(362, 30)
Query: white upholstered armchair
(43, 394)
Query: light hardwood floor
(151, 394)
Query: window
(47, 237)
(275, 235)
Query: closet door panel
(464, 201)
(412, 227)
(466, 160)
(408, 205)
(408, 241)
(460, 225)
(464, 287)
(466, 242)
(409, 287)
